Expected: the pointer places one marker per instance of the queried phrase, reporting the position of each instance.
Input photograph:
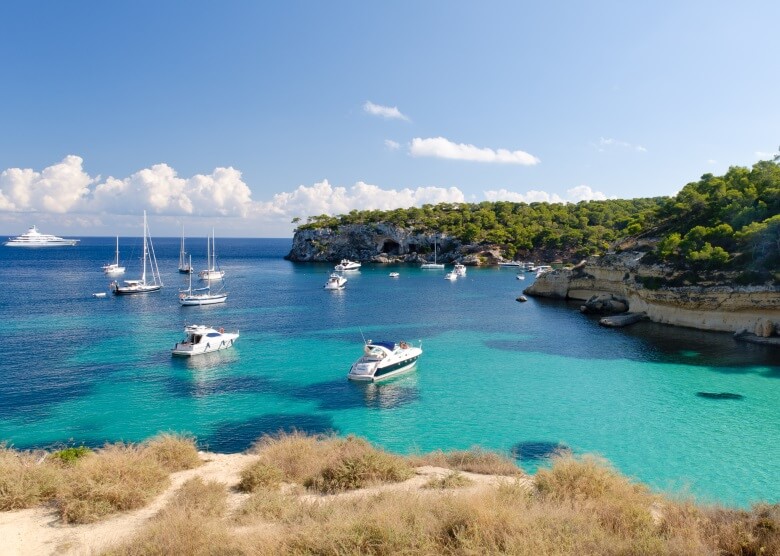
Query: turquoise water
(523, 378)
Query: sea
(690, 413)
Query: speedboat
(459, 269)
(33, 238)
(451, 275)
(346, 265)
(382, 360)
(521, 277)
(204, 339)
(335, 282)
(394, 275)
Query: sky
(244, 115)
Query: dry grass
(116, 478)
(450, 480)
(173, 452)
(259, 475)
(26, 479)
(475, 460)
(326, 464)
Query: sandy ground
(38, 531)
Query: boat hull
(135, 290)
(184, 349)
(386, 372)
(63, 243)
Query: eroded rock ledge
(707, 306)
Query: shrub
(259, 475)
(357, 470)
(173, 452)
(116, 478)
(475, 460)
(450, 480)
(26, 479)
(70, 455)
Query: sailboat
(212, 272)
(113, 269)
(434, 264)
(130, 287)
(201, 296)
(184, 266)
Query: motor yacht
(33, 238)
(510, 263)
(394, 275)
(459, 269)
(335, 282)
(382, 360)
(451, 276)
(204, 339)
(347, 266)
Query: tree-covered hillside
(719, 222)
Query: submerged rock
(720, 395)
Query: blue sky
(243, 115)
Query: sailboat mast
(117, 250)
(143, 276)
(190, 290)
(181, 250)
(213, 250)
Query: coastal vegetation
(576, 505)
(728, 222)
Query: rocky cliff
(385, 243)
(663, 294)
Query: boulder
(765, 328)
(604, 304)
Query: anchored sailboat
(113, 269)
(434, 264)
(184, 266)
(212, 272)
(202, 296)
(130, 287)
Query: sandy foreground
(39, 531)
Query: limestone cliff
(384, 243)
(648, 289)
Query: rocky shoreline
(621, 283)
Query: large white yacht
(204, 339)
(382, 360)
(34, 238)
(346, 265)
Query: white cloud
(712, 162)
(65, 187)
(387, 112)
(324, 198)
(607, 143)
(392, 145)
(761, 155)
(439, 147)
(573, 195)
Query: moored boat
(142, 285)
(459, 269)
(113, 269)
(451, 276)
(204, 339)
(335, 282)
(381, 360)
(34, 238)
(394, 275)
(202, 296)
(213, 272)
(347, 266)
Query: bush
(173, 452)
(475, 460)
(70, 455)
(259, 475)
(26, 479)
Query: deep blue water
(523, 378)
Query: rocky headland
(390, 244)
(621, 283)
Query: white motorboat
(185, 266)
(213, 272)
(202, 296)
(113, 269)
(434, 265)
(521, 277)
(155, 284)
(204, 339)
(542, 268)
(451, 276)
(99, 295)
(510, 263)
(33, 238)
(335, 282)
(347, 266)
(394, 275)
(382, 360)
(459, 269)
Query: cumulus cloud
(440, 147)
(387, 112)
(392, 145)
(66, 187)
(605, 144)
(324, 198)
(573, 195)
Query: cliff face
(708, 307)
(384, 243)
